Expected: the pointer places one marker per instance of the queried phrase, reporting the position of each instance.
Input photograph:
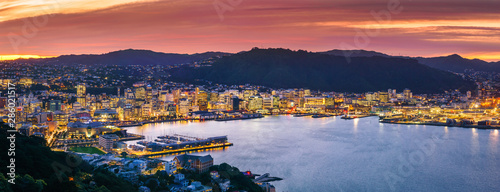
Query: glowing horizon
(14, 57)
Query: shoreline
(444, 125)
(342, 117)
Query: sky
(426, 28)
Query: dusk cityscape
(257, 96)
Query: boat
(301, 115)
(349, 117)
(320, 116)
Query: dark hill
(454, 62)
(131, 57)
(282, 68)
(354, 53)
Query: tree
(27, 183)
(4, 185)
(124, 154)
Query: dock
(167, 152)
(177, 143)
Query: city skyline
(409, 28)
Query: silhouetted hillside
(131, 57)
(454, 62)
(282, 68)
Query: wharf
(166, 152)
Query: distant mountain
(132, 57)
(355, 53)
(454, 62)
(283, 68)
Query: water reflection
(355, 125)
(474, 142)
(492, 142)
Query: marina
(177, 143)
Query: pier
(177, 143)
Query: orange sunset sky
(470, 28)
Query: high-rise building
(236, 103)
(247, 94)
(183, 109)
(214, 96)
(140, 93)
(55, 105)
(314, 102)
(81, 90)
(255, 102)
(383, 97)
(307, 93)
(202, 98)
(370, 96)
(107, 141)
(149, 93)
(267, 103)
(407, 94)
(129, 94)
(276, 101)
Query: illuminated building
(149, 93)
(200, 164)
(39, 130)
(163, 94)
(307, 93)
(26, 81)
(183, 107)
(255, 102)
(283, 103)
(407, 94)
(61, 118)
(129, 94)
(81, 91)
(55, 105)
(276, 101)
(107, 141)
(370, 97)
(314, 102)
(139, 84)
(267, 103)
(105, 115)
(214, 96)
(140, 93)
(247, 94)
(383, 97)
(146, 110)
(202, 102)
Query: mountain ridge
(453, 62)
(284, 68)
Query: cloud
(423, 27)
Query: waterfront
(332, 154)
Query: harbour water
(332, 154)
